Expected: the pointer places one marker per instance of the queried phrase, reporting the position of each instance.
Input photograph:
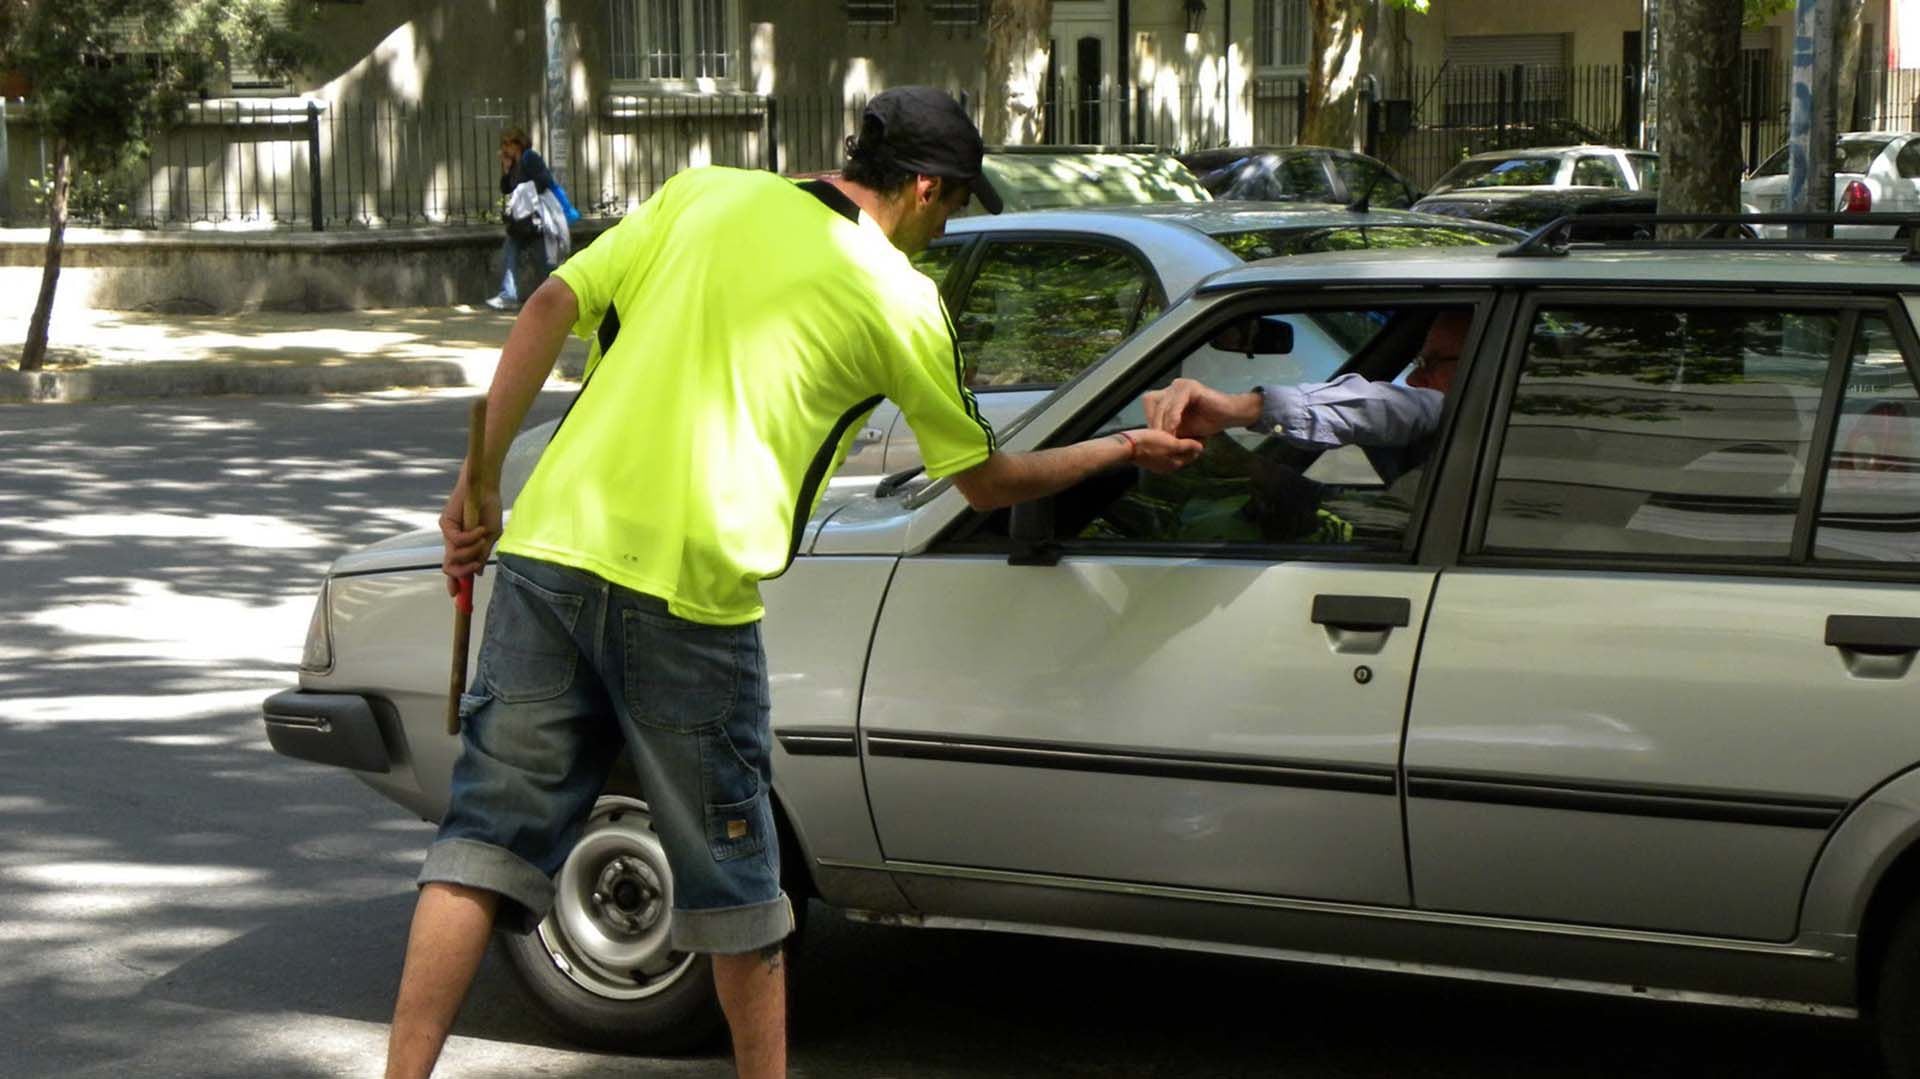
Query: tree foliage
(104, 76)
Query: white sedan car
(1874, 172)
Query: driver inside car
(1234, 493)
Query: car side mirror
(1030, 526)
(1256, 336)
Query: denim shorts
(570, 666)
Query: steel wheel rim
(607, 932)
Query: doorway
(1080, 89)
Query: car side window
(1342, 469)
(1361, 176)
(1038, 312)
(1870, 506)
(1597, 171)
(938, 259)
(1647, 168)
(1907, 162)
(1660, 431)
(1283, 178)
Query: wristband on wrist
(1133, 444)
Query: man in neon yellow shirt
(746, 325)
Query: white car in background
(1874, 172)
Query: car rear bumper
(339, 729)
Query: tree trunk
(1849, 23)
(34, 355)
(1333, 80)
(1699, 104)
(1018, 33)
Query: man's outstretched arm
(1004, 479)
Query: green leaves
(104, 74)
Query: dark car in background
(1299, 174)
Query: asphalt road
(177, 900)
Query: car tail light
(1856, 199)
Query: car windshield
(1271, 243)
(1849, 155)
(1501, 172)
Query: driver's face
(1439, 358)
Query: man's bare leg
(753, 994)
(450, 927)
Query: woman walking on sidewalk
(519, 164)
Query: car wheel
(599, 965)
(1897, 1006)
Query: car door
(1204, 691)
(1032, 310)
(1680, 644)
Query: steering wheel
(1880, 442)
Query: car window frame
(966, 270)
(1852, 305)
(962, 533)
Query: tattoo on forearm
(771, 955)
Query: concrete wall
(208, 273)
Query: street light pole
(1810, 139)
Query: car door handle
(1873, 634)
(868, 435)
(1362, 613)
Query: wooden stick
(463, 601)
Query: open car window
(1336, 487)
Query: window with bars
(952, 13)
(872, 12)
(1282, 32)
(672, 40)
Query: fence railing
(298, 164)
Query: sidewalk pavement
(118, 355)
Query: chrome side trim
(1361, 962)
(1673, 803)
(1351, 910)
(1063, 756)
(804, 742)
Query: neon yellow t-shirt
(758, 325)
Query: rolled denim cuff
(473, 864)
(732, 930)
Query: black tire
(601, 971)
(1897, 1004)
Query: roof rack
(1725, 231)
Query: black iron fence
(298, 164)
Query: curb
(176, 378)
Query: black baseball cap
(924, 130)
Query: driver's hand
(1159, 451)
(1193, 409)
